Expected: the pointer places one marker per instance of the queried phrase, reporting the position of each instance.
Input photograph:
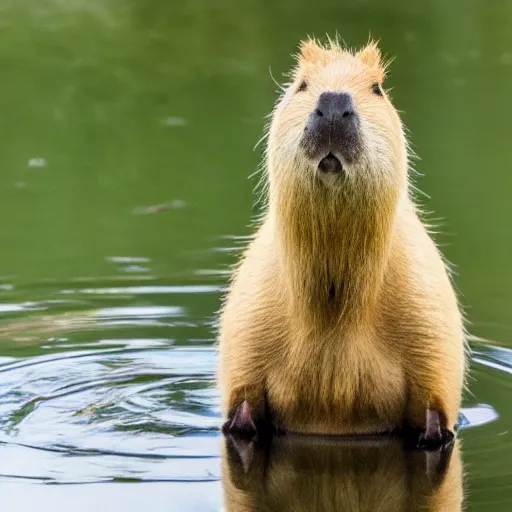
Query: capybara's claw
(240, 422)
(434, 437)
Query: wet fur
(341, 316)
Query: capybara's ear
(313, 53)
(370, 55)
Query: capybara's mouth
(330, 164)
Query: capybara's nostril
(319, 113)
(348, 113)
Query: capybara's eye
(303, 86)
(376, 89)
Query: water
(128, 133)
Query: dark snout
(335, 106)
(332, 131)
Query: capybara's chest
(337, 389)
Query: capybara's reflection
(317, 475)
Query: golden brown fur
(341, 312)
(299, 475)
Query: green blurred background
(141, 103)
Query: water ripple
(146, 290)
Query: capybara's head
(335, 122)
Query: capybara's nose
(335, 107)
(333, 126)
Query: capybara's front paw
(434, 437)
(240, 422)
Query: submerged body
(341, 317)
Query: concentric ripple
(122, 391)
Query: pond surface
(127, 142)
